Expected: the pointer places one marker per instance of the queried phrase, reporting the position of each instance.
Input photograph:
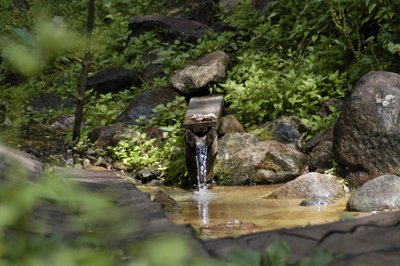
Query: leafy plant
(277, 254)
(164, 152)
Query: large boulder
(381, 193)
(174, 27)
(143, 105)
(366, 136)
(193, 78)
(113, 79)
(243, 159)
(310, 185)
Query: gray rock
(310, 185)
(174, 27)
(367, 133)
(243, 159)
(143, 105)
(13, 162)
(169, 204)
(283, 163)
(113, 79)
(229, 124)
(287, 129)
(197, 74)
(381, 193)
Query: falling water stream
(201, 162)
(202, 194)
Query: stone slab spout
(200, 125)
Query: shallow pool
(236, 210)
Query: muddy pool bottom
(237, 210)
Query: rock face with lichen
(367, 133)
(243, 159)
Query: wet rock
(316, 201)
(381, 193)
(367, 132)
(143, 105)
(310, 185)
(109, 136)
(243, 159)
(287, 129)
(113, 79)
(13, 161)
(169, 204)
(229, 124)
(148, 174)
(174, 27)
(196, 75)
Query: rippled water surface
(233, 211)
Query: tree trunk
(84, 76)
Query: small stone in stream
(316, 201)
(168, 202)
(234, 223)
(86, 163)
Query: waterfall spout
(201, 124)
(201, 162)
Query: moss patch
(269, 164)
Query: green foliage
(103, 109)
(28, 53)
(277, 254)
(300, 56)
(140, 151)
